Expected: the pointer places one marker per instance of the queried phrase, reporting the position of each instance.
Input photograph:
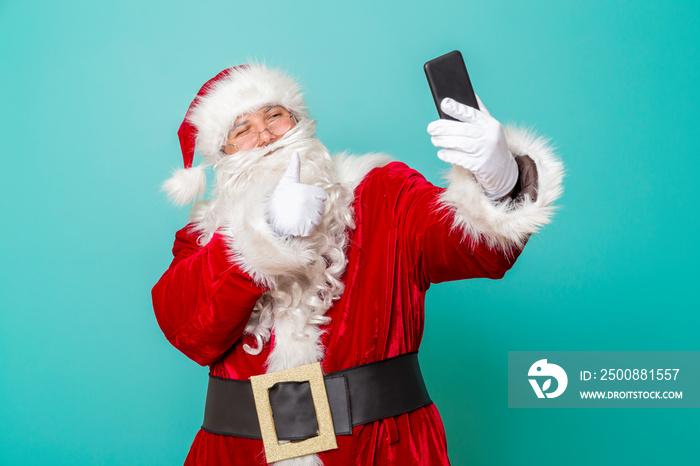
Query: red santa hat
(228, 95)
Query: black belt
(359, 395)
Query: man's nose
(266, 137)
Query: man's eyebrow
(244, 122)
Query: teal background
(92, 95)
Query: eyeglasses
(277, 127)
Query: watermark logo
(544, 369)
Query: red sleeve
(435, 250)
(203, 301)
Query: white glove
(295, 208)
(477, 143)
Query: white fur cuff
(507, 225)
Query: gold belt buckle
(325, 440)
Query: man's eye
(274, 115)
(241, 133)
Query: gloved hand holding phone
(476, 142)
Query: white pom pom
(186, 184)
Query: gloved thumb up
(293, 170)
(295, 208)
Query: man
(301, 258)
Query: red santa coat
(405, 239)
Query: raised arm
(464, 230)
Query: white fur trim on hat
(244, 90)
(186, 184)
(507, 225)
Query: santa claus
(301, 258)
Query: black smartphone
(447, 77)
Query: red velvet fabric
(402, 244)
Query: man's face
(258, 129)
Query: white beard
(302, 273)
